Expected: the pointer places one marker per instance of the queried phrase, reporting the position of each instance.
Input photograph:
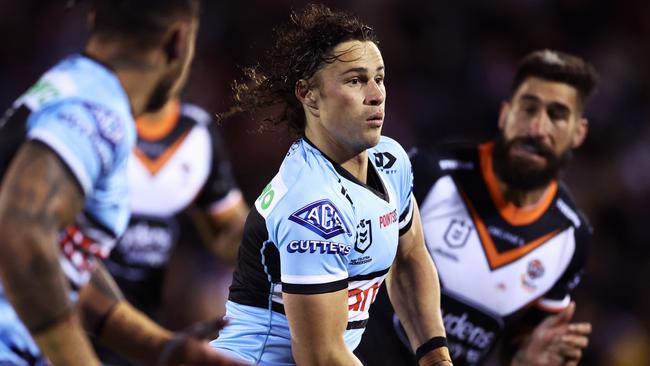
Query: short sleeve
(314, 241)
(88, 138)
(406, 193)
(559, 296)
(220, 191)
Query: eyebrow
(361, 70)
(557, 105)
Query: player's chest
(374, 222)
(486, 263)
(165, 176)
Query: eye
(379, 80)
(354, 81)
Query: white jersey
(495, 261)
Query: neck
(138, 76)
(522, 198)
(354, 161)
(154, 118)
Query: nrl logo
(364, 236)
(321, 217)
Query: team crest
(534, 271)
(321, 217)
(457, 233)
(364, 236)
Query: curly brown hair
(302, 47)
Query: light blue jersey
(81, 112)
(316, 229)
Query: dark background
(449, 66)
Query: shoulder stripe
(568, 212)
(196, 113)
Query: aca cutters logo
(321, 217)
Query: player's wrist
(433, 352)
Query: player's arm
(224, 229)
(414, 291)
(317, 323)
(38, 197)
(126, 330)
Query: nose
(376, 93)
(540, 125)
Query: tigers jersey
(180, 163)
(495, 261)
(316, 229)
(79, 110)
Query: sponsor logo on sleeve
(318, 246)
(321, 217)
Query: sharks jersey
(79, 110)
(498, 264)
(316, 229)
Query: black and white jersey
(180, 163)
(495, 260)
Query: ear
(580, 133)
(175, 41)
(305, 94)
(503, 113)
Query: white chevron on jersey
(441, 208)
(177, 183)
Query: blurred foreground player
(64, 198)
(507, 240)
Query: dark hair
(561, 67)
(141, 21)
(302, 46)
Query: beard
(163, 91)
(522, 174)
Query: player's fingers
(571, 353)
(570, 363)
(575, 340)
(580, 328)
(563, 317)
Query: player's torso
(167, 170)
(490, 265)
(325, 212)
(103, 116)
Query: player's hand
(190, 347)
(555, 341)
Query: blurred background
(449, 66)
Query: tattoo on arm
(38, 197)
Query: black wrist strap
(431, 344)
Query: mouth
(376, 119)
(529, 151)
